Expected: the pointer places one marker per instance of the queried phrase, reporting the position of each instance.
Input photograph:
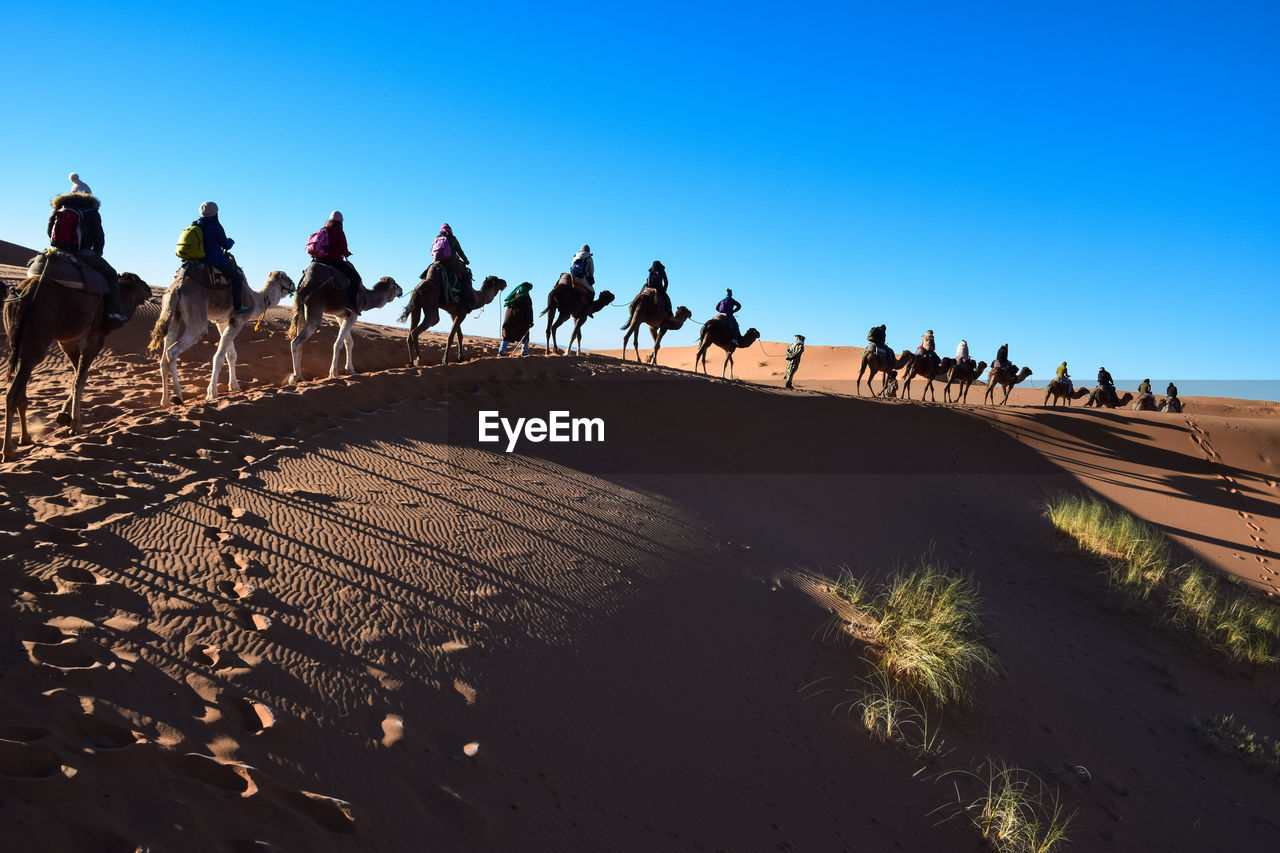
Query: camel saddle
(318, 274)
(581, 284)
(450, 284)
(67, 270)
(208, 276)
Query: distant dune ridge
(330, 619)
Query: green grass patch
(923, 629)
(1222, 614)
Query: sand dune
(329, 618)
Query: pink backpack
(318, 244)
(441, 249)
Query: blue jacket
(216, 241)
(728, 305)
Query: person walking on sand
(75, 227)
(216, 245)
(329, 244)
(793, 359)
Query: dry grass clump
(924, 629)
(1221, 613)
(890, 712)
(1015, 810)
(1258, 751)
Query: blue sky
(1085, 181)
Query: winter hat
(800, 338)
(77, 185)
(208, 209)
(445, 229)
(585, 250)
(336, 216)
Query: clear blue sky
(1097, 182)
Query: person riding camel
(1108, 385)
(329, 244)
(447, 251)
(216, 244)
(962, 354)
(1172, 390)
(876, 338)
(75, 227)
(1002, 359)
(1064, 378)
(657, 281)
(728, 306)
(1144, 387)
(582, 270)
(927, 347)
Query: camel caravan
(73, 296)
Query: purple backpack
(318, 244)
(441, 249)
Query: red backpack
(66, 229)
(318, 244)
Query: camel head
(682, 314)
(385, 284)
(133, 290)
(493, 283)
(750, 337)
(1022, 374)
(602, 300)
(1126, 399)
(281, 280)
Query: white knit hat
(208, 209)
(336, 216)
(77, 185)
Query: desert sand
(328, 618)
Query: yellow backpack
(191, 243)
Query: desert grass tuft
(1141, 567)
(925, 629)
(891, 713)
(1259, 751)
(1015, 810)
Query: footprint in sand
(230, 776)
(215, 657)
(253, 716)
(30, 760)
(234, 561)
(237, 590)
(252, 621)
(73, 654)
(330, 812)
(94, 734)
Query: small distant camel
(1057, 389)
(1146, 402)
(565, 301)
(926, 368)
(50, 311)
(323, 290)
(1100, 398)
(1003, 377)
(719, 331)
(875, 362)
(428, 298)
(190, 305)
(645, 312)
(964, 375)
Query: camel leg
(657, 345)
(295, 348)
(627, 337)
(233, 382)
(343, 342)
(412, 340)
(928, 389)
(220, 355)
(560, 322)
(577, 335)
(15, 400)
(458, 323)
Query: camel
(323, 290)
(428, 298)
(189, 307)
(1172, 406)
(1146, 402)
(964, 375)
(1058, 391)
(1098, 398)
(52, 311)
(645, 312)
(928, 369)
(719, 331)
(565, 301)
(871, 358)
(1003, 376)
